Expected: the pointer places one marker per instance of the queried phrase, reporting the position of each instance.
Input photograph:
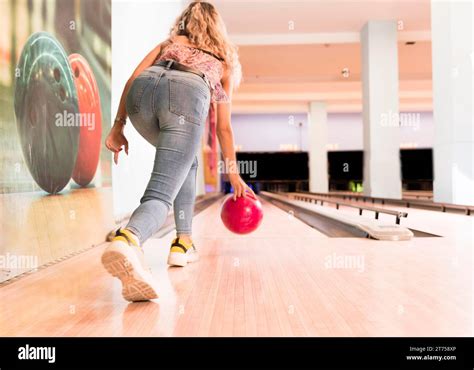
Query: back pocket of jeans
(188, 100)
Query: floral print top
(201, 60)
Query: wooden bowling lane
(285, 279)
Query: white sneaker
(182, 253)
(124, 259)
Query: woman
(167, 100)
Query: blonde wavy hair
(203, 26)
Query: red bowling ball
(91, 120)
(243, 215)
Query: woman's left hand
(116, 140)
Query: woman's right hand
(116, 140)
(239, 185)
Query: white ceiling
(286, 68)
(273, 16)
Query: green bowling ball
(46, 108)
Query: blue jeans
(169, 109)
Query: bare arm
(223, 127)
(226, 138)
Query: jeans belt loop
(208, 83)
(169, 64)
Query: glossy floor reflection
(286, 279)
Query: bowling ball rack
(405, 202)
(309, 197)
(335, 223)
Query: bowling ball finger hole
(57, 74)
(77, 73)
(62, 93)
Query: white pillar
(318, 137)
(380, 109)
(452, 54)
(150, 23)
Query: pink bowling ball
(243, 215)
